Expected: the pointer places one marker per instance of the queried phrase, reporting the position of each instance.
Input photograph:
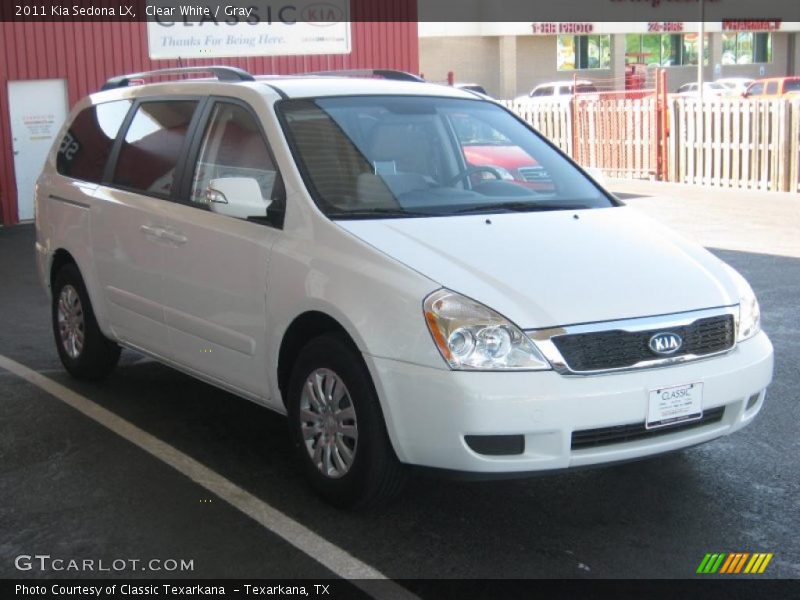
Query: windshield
(411, 156)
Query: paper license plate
(674, 405)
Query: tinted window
(152, 146)
(772, 87)
(86, 146)
(234, 147)
(543, 91)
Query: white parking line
(335, 559)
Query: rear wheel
(84, 351)
(337, 427)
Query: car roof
(785, 78)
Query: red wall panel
(86, 54)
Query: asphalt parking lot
(72, 488)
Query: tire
(374, 475)
(84, 351)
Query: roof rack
(381, 73)
(222, 73)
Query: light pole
(701, 42)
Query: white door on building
(38, 109)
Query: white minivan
(320, 245)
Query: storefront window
(584, 52)
(744, 48)
(667, 50)
(670, 50)
(690, 49)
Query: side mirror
(597, 175)
(238, 197)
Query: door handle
(150, 230)
(173, 236)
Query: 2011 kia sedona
(327, 247)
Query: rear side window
(153, 145)
(86, 146)
(756, 89)
(772, 87)
(791, 85)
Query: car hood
(558, 268)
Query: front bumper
(43, 266)
(429, 411)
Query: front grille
(617, 349)
(533, 174)
(591, 438)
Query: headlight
(471, 336)
(749, 316)
(749, 312)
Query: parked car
(557, 91)
(773, 87)
(711, 88)
(491, 155)
(735, 85)
(319, 245)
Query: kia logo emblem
(665, 343)
(322, 14)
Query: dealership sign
(609, 27)
(180, 30)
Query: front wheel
(337, 427)
(84, 351)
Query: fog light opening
(752, 400)
(496, 445)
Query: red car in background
(773, 87)
(486, 147)
(511, 162)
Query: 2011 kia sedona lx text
(320, 245)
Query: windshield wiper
(517, 206)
